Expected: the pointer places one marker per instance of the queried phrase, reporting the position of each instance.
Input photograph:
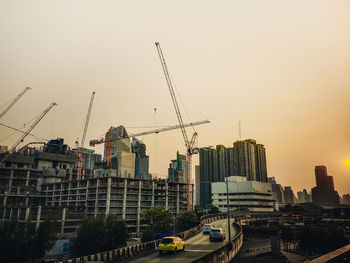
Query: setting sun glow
(347, 162)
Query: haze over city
(281, 68)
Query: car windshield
(167, 240)
(216, 230)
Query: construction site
(48, 177)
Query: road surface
(196, 246)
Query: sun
(347, 162)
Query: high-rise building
(141, 159)
(117, 145)
(277, 193)
(303, 197)
(207, 174)
(346, 199)
(324, 193)
(289, 197)
(122, 157)
(177, 171)
(220, 162)
(229, 162)
(197, 185)
(250, 160)
(246, 159)
(261, 169)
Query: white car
(207, 228)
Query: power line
(7, 126)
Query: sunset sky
(282, 68)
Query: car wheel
(175, 250)
(160, 252)
(183, 249)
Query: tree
(148, 235)
(287, 235)
(98, 234)
(20, 241)
(214, 210)
(158, 218)
(198, 210)
(187, 220)
(45, 238)
(307, 241)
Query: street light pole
(228, 212)
(239, 201)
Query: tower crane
(27, 132)
(13, 102)
(190, 144)
(80, 160)
(169, 128)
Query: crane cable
(182, 103)
(18, 130)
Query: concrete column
(63, 219)
(27, 214)
(152, 194)
(5, 199)
(38, 216)
(60, 199)
(18, 213)
(3, 216)
(193, 194)
(28, 176)
(124, 197)
(108, 200)
(96, 200)
(139, 208)
(10, 214)
(177, 199)
(166, 196)
(86, 196)
(10, 180)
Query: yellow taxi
(172, 243)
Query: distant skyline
(280, 67)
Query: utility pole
(228, 212)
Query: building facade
(207, 174)
(243, 195)
(141, 159)
(124, 197)
(289, 197)
(250, 160)
(324, 192)
(177, 171)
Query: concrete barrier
(225, 253)
(142, 249)
(221, 254)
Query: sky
(281, 68)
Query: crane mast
(190, 150)
(87, 119)
(27, 132)
(80, 158)
(172, 93)
(13, 102)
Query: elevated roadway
(196, 246)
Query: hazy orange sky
(280, 67)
